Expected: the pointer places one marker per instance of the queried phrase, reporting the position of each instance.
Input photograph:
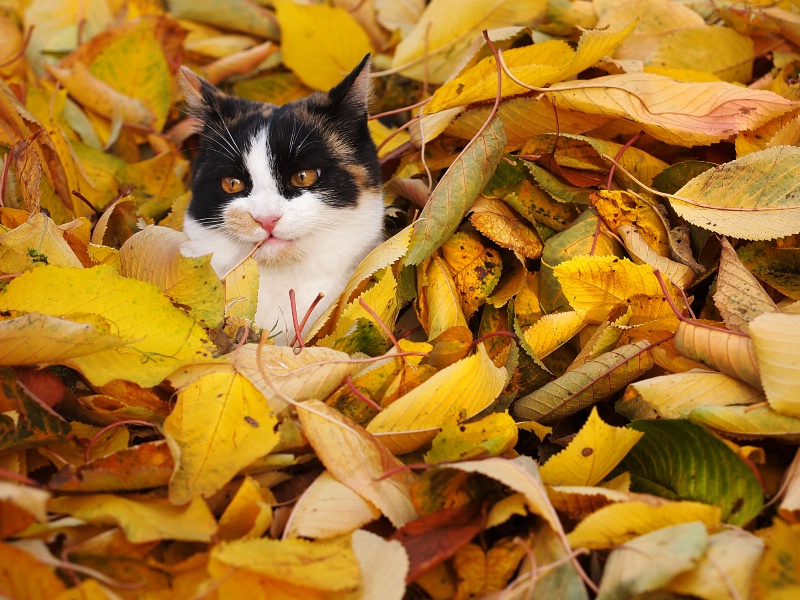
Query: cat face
(288, 177)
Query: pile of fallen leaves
(572, 370)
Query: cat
(303, 179)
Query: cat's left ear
(351, 95)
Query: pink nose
(268, 223)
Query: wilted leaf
(492, 436)
(22, 576)
(498, 223)
(475, 268)
(359, 461)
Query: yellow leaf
(220, 424)
(494, 219)
(446, 36)
(537, 65)
(320, 43)
(642, 252)
(439, 303)
(23, 577)
(328, 509)
(618, 208)
(593, 285)
(381, 133)
(491, 436)
(591, 455)
(159, 337)
(248, 515)
(460, 391)
(381, 298)
(776, 338)
(329, 566)
(553, 331)
(241, 290)
(40, 339)
(475, 268)
(683, 114)
(38, 241)
(142, 520)
(778, 575)
(618, 523)
(153, 255)
(358, 460)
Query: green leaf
(456, 192)
(695, 465)
(753, 198)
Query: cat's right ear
(199, 94)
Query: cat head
(290, 176)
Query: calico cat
(302, 179)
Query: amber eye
(304, 178)
(232, 185)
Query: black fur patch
(326, 131)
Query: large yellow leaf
(35, 338)
(153, 255)
(464, 388)
(446, 35)
(359, 461)
(328, 566)
(553, 331)
(160, 338)
(618, 523)
(537, 65)
(776, 338)
(675, 396)
(220, 424)
(684, 114)
(142, 520)
(320, 43)
(752, 198)
(593, 285)
(591, 454)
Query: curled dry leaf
(726, 351)
(683, 114)
(593, 381)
